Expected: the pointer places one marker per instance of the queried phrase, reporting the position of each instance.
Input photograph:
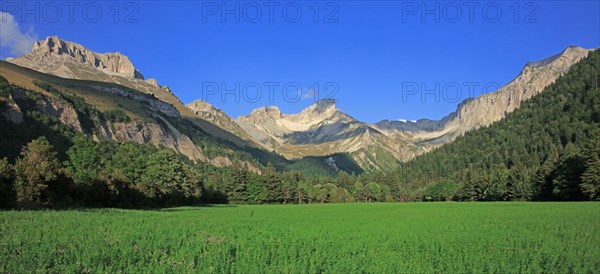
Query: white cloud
(309, 94)
(12, 38)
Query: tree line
(111, 174)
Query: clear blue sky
(370, 53)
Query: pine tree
(542, 179)
(238, 186)
(590, 184)
(290, 185)
(273, 184)
(566, 183)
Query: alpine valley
(103, 96)
(265, 137)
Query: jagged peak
(325, 102)
(574, 47)
(269, 111)
(112, 62)
(54, 44)
(322, 105)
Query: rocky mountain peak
(110, 63)
(319, 110)
(322, 105)
(271, 111)
(50, 44)
(567, 53)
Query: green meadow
(498, 237)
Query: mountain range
(110, 82)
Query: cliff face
(153, 133)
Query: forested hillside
(546, 150)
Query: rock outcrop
(217, 117)
(45, 53)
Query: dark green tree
(85, 165)
(169, 178)
(590, 183)
(273, 185)
(85, 161)
(129, 162)
(345, 181)
(518, 187)
(567, 176)
(290, 182)
(7, 193)
(543, 177)
(237, 190)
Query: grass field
(338, 238)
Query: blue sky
(375, 58)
